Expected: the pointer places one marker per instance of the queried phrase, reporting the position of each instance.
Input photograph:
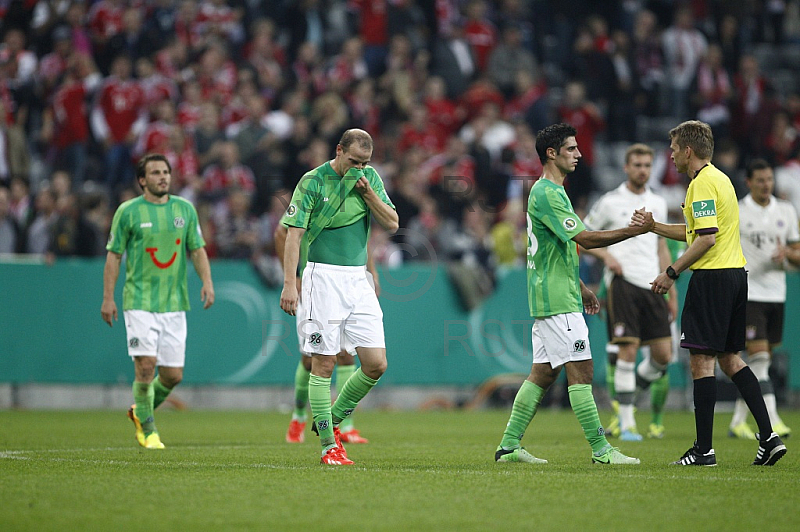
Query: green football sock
(611, 369)
(525, 404)
(659, 390)
(342, 374)
(319, 396)
(582, 401)
(356, 387)
(160, 392)
(143, 397)
(301, 376)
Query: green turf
(421, 471)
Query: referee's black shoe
(770, 450)
(694, 457)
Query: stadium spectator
(479, 31)
(508, 58)
(373, 29)
(684, 46)
(118, 117)
(73, 233)
(453, 60)
(39, 236)
(10, 237)
(227, 173)
(15, 157)
(753, 107)
(236, 229)
(622, 106)
(649, 59)
(442, 111)
(713, 92)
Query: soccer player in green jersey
(155, 230)
(332, 207)
(556, 297)
(345, 360)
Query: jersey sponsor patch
(145, 224)
(570, 224)
(291, 211)
(703, 209)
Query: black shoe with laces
(694, 457)
(770, 450)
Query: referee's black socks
(747, 383)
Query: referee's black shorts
(714, 313)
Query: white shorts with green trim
(340, 310)
(560, 339)
(157, 334)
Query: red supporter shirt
(69, 114)
(373, 26)
(218, 179)
(482, 36)
(121, 103)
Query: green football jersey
(155, 237)
(553, 279)
(344, 241)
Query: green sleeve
(194, 235)
(558, 216)
(376, 183)
(304, 198)
(120, 232)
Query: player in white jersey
(636, 316)
(770, 241)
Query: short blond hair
(637, 149)
(696, 135)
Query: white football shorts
(560, 339)
(157, 334)
(340, 310)
(300, 340)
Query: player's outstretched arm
(601, 239)
(108, 310)
(671, 231)
(590, 303)
(203, 269)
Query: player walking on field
(557, 297)
(154, 230)
(713, 319)
(331, 207)
(770, 241)
(636, 316)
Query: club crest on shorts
(315, 338)
(570, 224)
(179, 222)
(579, 346)
(133, 342)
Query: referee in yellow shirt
(713, 320)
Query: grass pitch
(421, 471)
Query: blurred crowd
(245, 96)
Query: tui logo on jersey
(703, 209)
(579, 346)
(179, 222)
(570, 224)
(158, 263)
(291, 211)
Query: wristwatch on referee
(671, 273)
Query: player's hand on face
(207, 296)
(362, 185)
(108, 311)
(289, 299)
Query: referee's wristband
(671, 273)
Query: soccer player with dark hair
(331, 207)
(154, 230)
(770, 242)
(557, 297)
(713, 322)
